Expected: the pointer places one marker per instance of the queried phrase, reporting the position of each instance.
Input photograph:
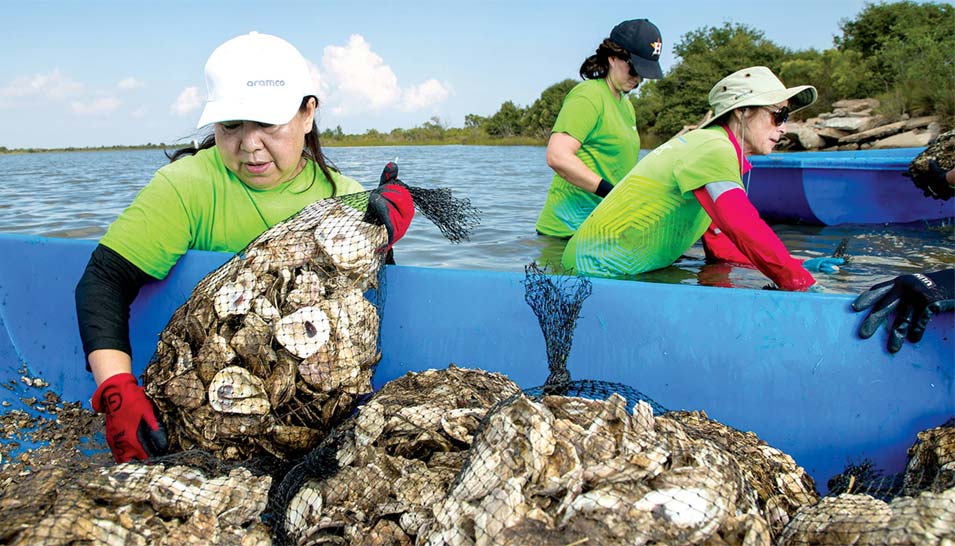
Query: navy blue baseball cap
(642, 40)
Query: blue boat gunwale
(890, 159)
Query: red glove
(132, 429)
(391, 204)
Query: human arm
(562, 158)
(103, 295)
(719, 248)
(729, 208)
(915, 300)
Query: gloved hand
(823, 264)
(934, 183)
(391, 205)
(914, 298)
(132, 429)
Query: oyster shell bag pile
(563, 469)
(595, 461)
(187, 498)
(865, 506)
(279, 343)
(376, 479)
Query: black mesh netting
(279, 343)
(556, 301)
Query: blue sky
(98, 73)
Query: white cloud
(129, 83)
(100, 105)
(53, 85)
(359, 78)
(425, 94)
(189, 100)
(139, 113)
(320, 85)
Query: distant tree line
(902, 53)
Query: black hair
(312, 149)
(598, 65)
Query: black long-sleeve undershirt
(108, 287)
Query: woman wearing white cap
(594, 142)
(262, 164)
(692, 187)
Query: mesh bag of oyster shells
(556, 301)
(564, 470)
(187, 498)
(930, 178)
(378, 476)
(867, 506)
(279, 343)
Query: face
(762, 130)
(621, 77)
(262, 155)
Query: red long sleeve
(736, 217)
(719, 247)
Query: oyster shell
(235, 390)
(304, 332)
(235, 298)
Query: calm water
(78, 194)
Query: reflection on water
(78, 194)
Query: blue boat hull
(830, 188)
(787, 366)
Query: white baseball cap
(255, 77)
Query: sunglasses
(779, 116)
(633, 71)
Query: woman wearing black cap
(594, 142)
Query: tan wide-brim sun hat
(756, 86)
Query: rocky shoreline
(853, 125)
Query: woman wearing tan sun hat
(693, 185)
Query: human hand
(132, 429)
(914, 298)
(823, 264)
(391, 204)
(933, 183)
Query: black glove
(933, 183)
(915, 299)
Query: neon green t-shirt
(605, 126)
(651, 217)
(196, 203)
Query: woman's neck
(614, 90)
(735, 126)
